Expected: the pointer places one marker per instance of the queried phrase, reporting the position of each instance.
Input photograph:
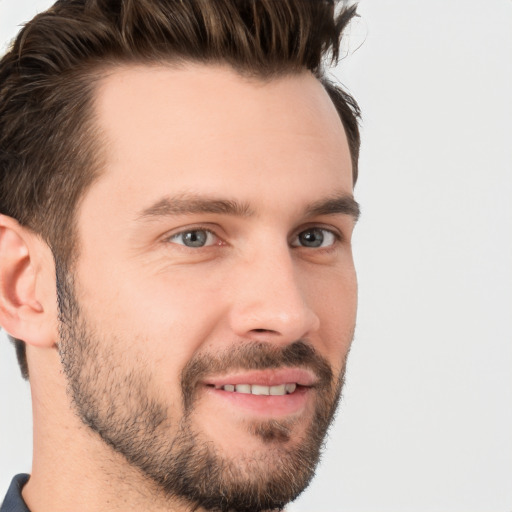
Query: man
(175, 258)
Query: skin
(197, 132)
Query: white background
(426, 421)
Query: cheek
(335, 302)
(161, 319)
(181, 318)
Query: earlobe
(26, 310)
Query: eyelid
(336, 231)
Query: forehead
(168, 129)
(215, 95)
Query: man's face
(206, 323)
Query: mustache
(254, 356)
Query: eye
(194, 238)
(315, 238)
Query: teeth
(278, 390)
(290, 388)
(243, 388)
(256, 389)
(260, 390)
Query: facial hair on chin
(123, 408)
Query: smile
(256, 389)
(270, 393)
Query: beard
(115, 396)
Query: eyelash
(337, 237)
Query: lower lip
(269, 406)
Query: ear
(28, 300)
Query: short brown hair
(48, 150)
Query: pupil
(195, 238)
(312, 238)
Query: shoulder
(13, 501)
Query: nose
(269, 300)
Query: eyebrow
(344, 204)
(189, 204)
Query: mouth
(257, 389)
(267, 393)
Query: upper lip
(272, 377)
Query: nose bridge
(269, 298)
